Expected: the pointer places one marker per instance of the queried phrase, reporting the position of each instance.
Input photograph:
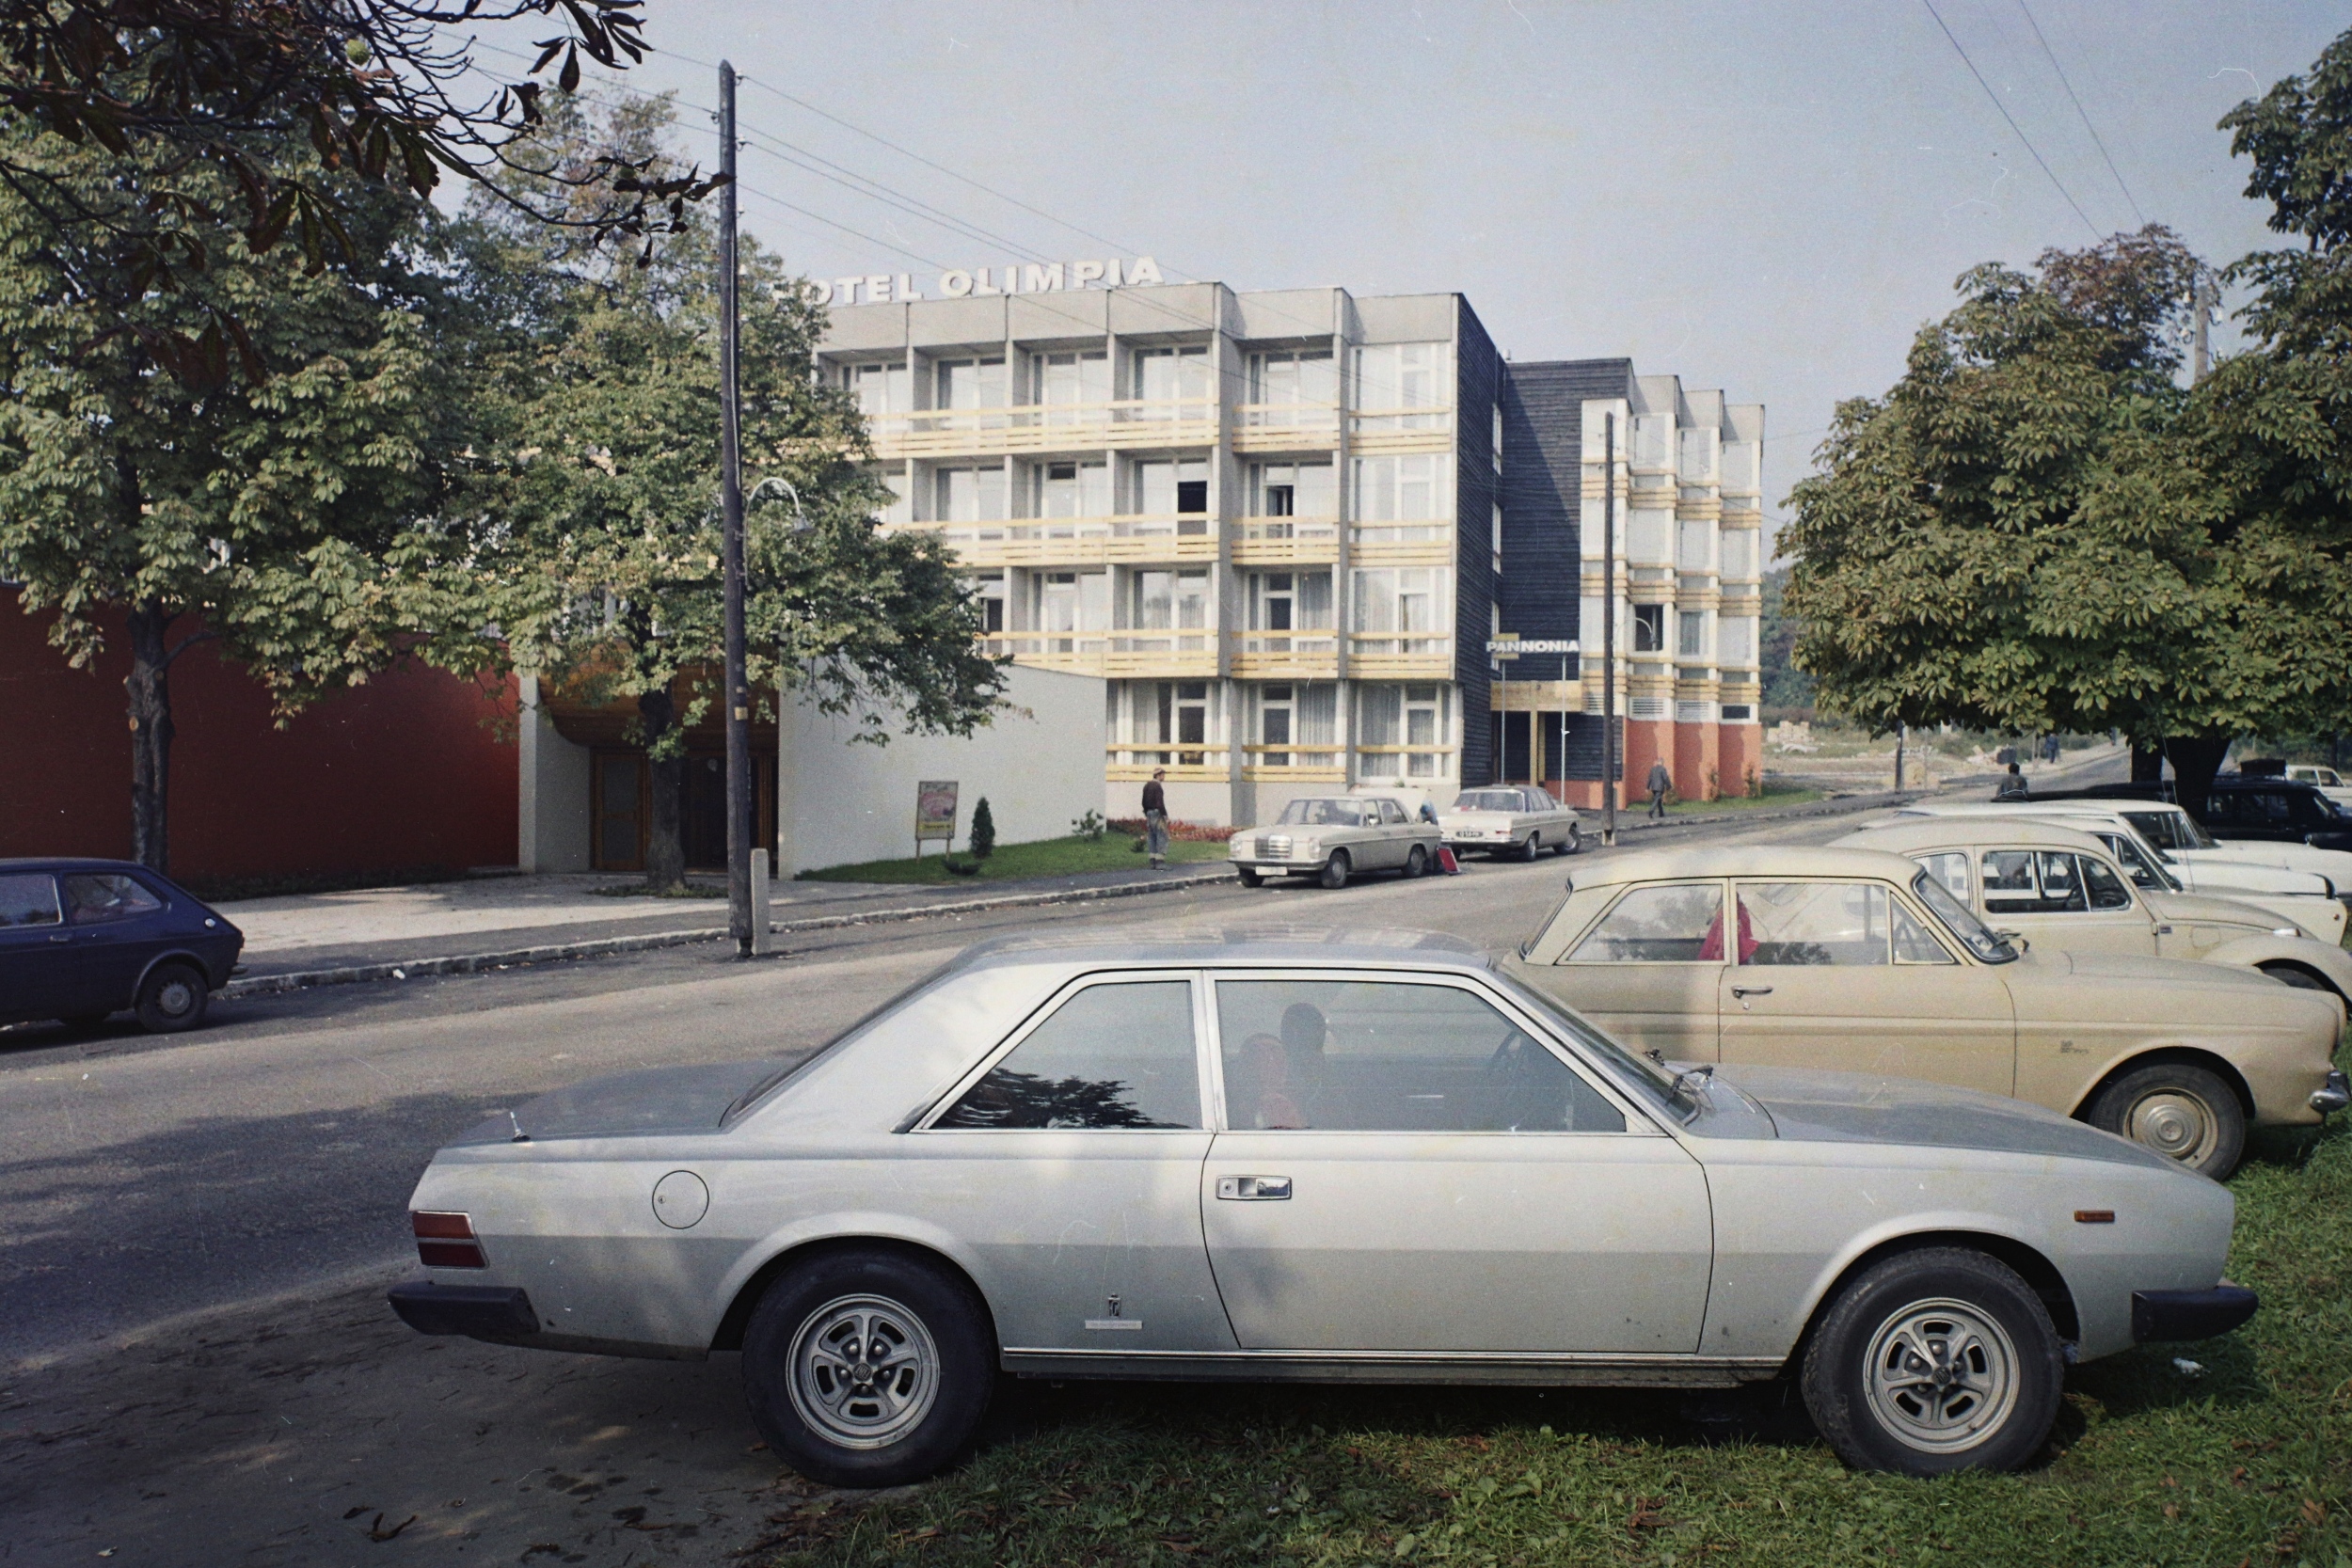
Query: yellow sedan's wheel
(2181, 1112)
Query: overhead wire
(2096, 138)
(2012, 120)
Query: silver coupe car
(1312, 1159)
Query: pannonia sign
(1013, 277)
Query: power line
(2096, 138)
(2012, 123)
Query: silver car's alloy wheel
(865, 1372)
(1941, 1376)
(2174, 1123)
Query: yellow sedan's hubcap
(2175, 1124)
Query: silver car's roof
(1303, 945)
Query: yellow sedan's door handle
(1743, 993)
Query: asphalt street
(216, 1214)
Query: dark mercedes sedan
(80, 940)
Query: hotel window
(1063, 384)
(1653, 435)
(1399, 380)
(894, 479)
(1288, 386)
(1401, 731)
(1304, 717)
(1739, 549)
(1168, 601)
(1171, 375)
(1285, 602)
(967, 495)
(1735, 639)
(1691, 634)
(1695, 543)
(1697, 457)
(989, 587)
(1400, 609)
(1062, 602)
(1291, 490)
(1068, 490)
(1179, 488)
(1402, 497)
(1650, 628)
(1181, 718)
(880, 388)
(968, 384)
(1495, 446)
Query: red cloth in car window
(1711, 950)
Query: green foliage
(597, 484)
(1088, 825)
(983, 839)
(2300, 137)
(1784, 685)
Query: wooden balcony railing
(1045, 427)
(1278, 541)
(1080, 541)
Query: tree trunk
(150, 689)
(665, 842)
(2147, 761)
(2194, 759)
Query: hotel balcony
(1079, 540)
(1286, 655)
(1391, 655)
(1419, 542)
(1295, 763)
(1373, 431)
(1121, 653)
(1286, 541)
(1129, 422)
(1285, 427)
(1194, 762)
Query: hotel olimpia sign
(1013, 277)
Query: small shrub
(983, 841)
(1089, 826)
(1756, 784)
(1715, 785)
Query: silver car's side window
(1661, 923)
(1113, 1056)
(1844, 924)
(1382, 1056)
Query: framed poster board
(934, 811)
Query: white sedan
(1519, 820)
(1316, 1158)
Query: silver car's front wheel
(865, 1371)
(868, 1368)
(1943, 1375)
(1931, 1361)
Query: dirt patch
(327, 1433)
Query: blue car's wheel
(171, 998)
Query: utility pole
(1609, 627)
(738, 689)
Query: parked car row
(1911, 1121)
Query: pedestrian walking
(1659, 783)
(2014, 785)
(1155, 817)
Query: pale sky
(1769, 196)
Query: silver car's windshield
(1962, 921)
(1653, 1082)
(1489, 799)
(1322, 813)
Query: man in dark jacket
(2014, 786)
(1660, 781)
(1155, 819)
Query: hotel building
(1310, 540)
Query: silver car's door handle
(1750, 990)
(1246, 1189)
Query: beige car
(1518, 820)
(2065, 889)
(1333, 837)
(1861, 961)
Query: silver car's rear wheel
(868, 1368)
(1943, 1375)
(865, 1372)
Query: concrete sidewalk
(487, 922)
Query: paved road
(201, 1228)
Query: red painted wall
(400, 773)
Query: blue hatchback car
(80, 940)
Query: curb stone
(465, 963)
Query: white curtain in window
(1403, 488)
(968, 495)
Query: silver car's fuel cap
(680, 1199)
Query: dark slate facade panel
(1583, 760)
(1543, 483)
(1478, 381)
